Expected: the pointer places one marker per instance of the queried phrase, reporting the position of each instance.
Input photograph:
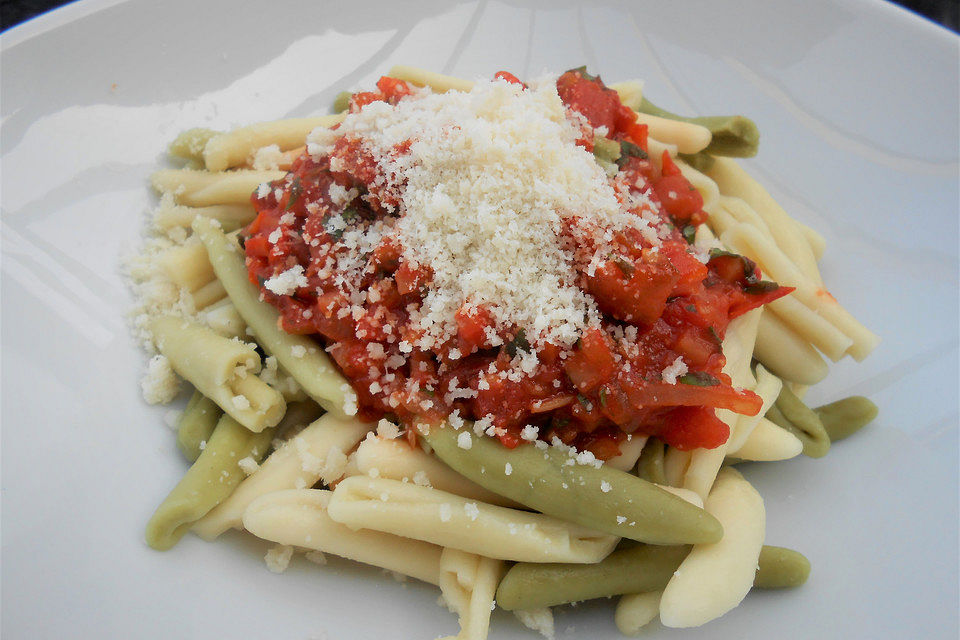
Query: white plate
(857, 104)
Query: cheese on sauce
(496, 197)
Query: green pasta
(780, 568)
(212, 478)
(650, 464)
(602, 498)
(223, 369)
(845, 417)
(196, 424)
(735, 136)
(790, 413)
(342, 102)
(300, 356)
(637, 569)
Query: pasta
(531, 405)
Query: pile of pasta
(276, 450)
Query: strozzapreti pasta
(505, 338)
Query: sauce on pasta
(650, 362)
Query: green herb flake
(603, 396)
(296, 190)
(519, 343)
(689, 233)
(761, 287)
(582, 399)
(698, 379)
(714, 335)
(583, 73)
(630, 150)
(625, 265)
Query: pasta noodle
(299, 517)
(449, 520)
(562, 378)
(397, 460)
(211, 479)
(715, 578)
(300, 462)
(221, 369)
(468, 583)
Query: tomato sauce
(658, 305)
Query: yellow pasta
(317, 452)
(767, 443)
(298, 517)
(714, 578)
(227, 150)
(449, 520)
(397, 460)
(685, 136)
(468, 583)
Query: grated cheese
(509, 157)
(674, 370)
(278, 558)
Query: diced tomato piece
(472, 323)
(689, 428)
(359, 100)
(392, 88)
(638, 296)
(720, 396)
(509, 77)
(410, 278)
(592, 363)
(589, 97)
(667, 166)
(690, 270)
(680, 198)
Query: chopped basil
(603, 397)
(349, 214)
(296, 190)
(763, 286)
(583, 73)
(689, 233)
(582, 399)
(698, 379)
(722, 253)
(519, 343)
(625, 265)
(714, 335)
(690, 308)
(629, 150)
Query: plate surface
(857, 104)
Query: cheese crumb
(507, 469)
(605, 486)
(298, 351)
(248, 465)
(387, 429)
(241, 403)
(540, 620)
(160, 384)
(267, 158)
(287, 282)
(278, 558)
(472, 510)
(674, 370)
(464, 441)
(316, 557)
(445, 512)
